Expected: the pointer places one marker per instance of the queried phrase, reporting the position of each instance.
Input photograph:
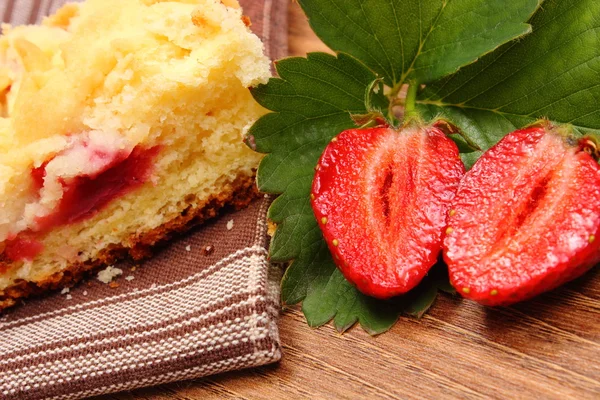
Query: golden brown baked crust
(239, 194)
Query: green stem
(395, 90)
(411, 101)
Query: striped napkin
(207, 303)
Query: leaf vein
(526, 65)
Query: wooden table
(546, 348)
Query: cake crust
(238, 195)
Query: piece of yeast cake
(122, 122)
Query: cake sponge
(121, 122)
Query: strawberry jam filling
(85, 195)
(23, 249)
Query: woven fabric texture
(206, 303)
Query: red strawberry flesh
(525, 218)
(381, 197)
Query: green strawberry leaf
(321, 94)
(331, 296)
(552, 73)
(313, 101)
(417, 302)
(314, 279)
(417, 40)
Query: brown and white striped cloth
(207, 303)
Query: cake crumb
(69, 297)
(230, 225)
(208, 250)
(271, 228)
(130, 278)
(108, 274)
(65, 290)
(133, 268)
(113, 285)
(85, 292)
(188, 248)
(246, 20)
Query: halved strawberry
(381, 197)
(525, 218)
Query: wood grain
(546, 348)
